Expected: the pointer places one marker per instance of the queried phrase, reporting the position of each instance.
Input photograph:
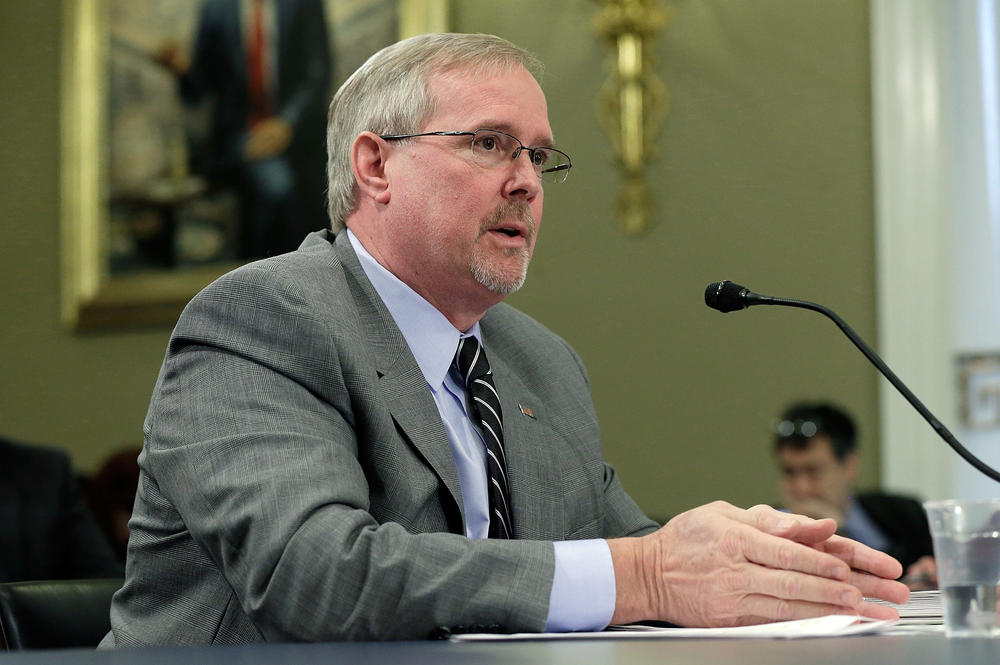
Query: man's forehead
(816, 449)
(510, 101)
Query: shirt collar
(431, 337)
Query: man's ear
(368, 155)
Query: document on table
(828, 626)
(923, 608)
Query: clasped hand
(718, 565)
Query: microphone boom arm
(750, 298)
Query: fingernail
(838, 573)
(849, 599)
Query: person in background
(46, 529)
(816, 449)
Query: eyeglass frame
(799, 428)
(563, 169)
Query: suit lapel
(405, 389)
(416, 415)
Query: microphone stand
(756, 299)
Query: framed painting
(979, 390)
(193, 139)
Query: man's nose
(799, 484)
(524, 180)
(529, 159)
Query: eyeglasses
(804, 429)
(491, 148)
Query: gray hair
(390, 94)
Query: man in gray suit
(316, 468)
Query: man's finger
(788, 525)
(881, 588)
(764, 609)
(801, 587)
(785, 554)
(880, 612)
(861, 557)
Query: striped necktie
(485, 406)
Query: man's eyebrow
(543, 141)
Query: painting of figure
(215, 123)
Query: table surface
(875, 649)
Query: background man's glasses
(492, 148)
(802, 429)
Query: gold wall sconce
(633, 101)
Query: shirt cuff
(583, 587)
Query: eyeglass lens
(800, 428)
(493, 148)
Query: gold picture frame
(93, 298)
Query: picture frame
(979, 390)
(107, 283)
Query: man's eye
(540, 157)
(488, 143)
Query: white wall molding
(913, 270)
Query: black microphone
(729, 297)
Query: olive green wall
(763, 177)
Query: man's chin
(500, 286)
(500, 282)
(501, 275)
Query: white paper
(924, 607)
(829, 626)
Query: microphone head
(726, 296)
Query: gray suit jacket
(297, 482)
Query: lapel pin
(526, 410)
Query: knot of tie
(471, 360)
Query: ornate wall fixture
(633, 100)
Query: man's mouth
(511, 220)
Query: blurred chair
(56, 614)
